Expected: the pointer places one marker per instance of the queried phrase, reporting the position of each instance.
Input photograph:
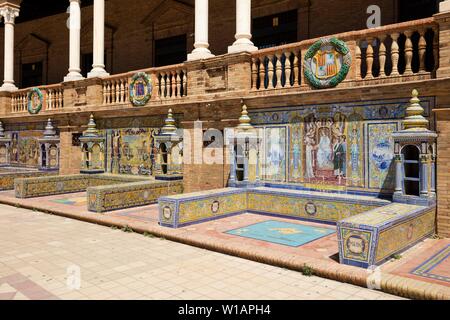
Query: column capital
(9, 13)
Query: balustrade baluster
(174, 84)
(296, 68)
(408, 52)
(382, 55)
(254, 73)
(288, 68)
(395, 54)
(166, 93)
(262, 73)
(358, 60)
(178, 83)
(279, 70)
(271, 72)
(184, 83)
(422, 50)
(369, 58)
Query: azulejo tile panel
(341, 146)
(404, 234)
(7, 179)
(121, 196)
(304, 207)
(197, 207)
(284, 233)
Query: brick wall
(130, 29)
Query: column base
(7, 87)
(98, 73)
(73, 76)
(444, 6)
(200, 53)
(242, 47)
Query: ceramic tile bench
(105, 192)
(373, 237)
(182, 210)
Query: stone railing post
(443, 19)
(5, 102)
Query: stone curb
(388, 283)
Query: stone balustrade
(394, 53)
(52, 99)
(171, 81)
(390, 52)
(115, 89)
(403, 49)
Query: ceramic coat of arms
(327, 63)
(35, 100)
(140, 89)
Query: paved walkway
(47, 257)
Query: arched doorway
(411, 163)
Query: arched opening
(239, 152)
(411, 165)
(86, 156)
(43, 157)
(163, 150)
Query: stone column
(201, 44)
(424, 177)
(444, 6)
(98, 68)
(398, 175)
(9, 14)
(433, 177)
(243, 28)
(232, 179)
(74, 47)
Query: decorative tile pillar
(74, 46)
(49, 149)
(169, 143)
(243, 28)
(98, 68)
(92, 149)
(201, 44)
(5, 148)
(9, 14)
(245, 136)
(417, 138)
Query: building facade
(204, 60)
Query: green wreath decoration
(141, 99)
(34, 108)
(342, 48)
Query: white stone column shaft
(98, 68)
(243, 28)
(74, 46)
(201, 44)
(9, 14)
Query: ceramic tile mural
(275, 154)
(340, 146)
(380, 153)
(25, 148)
(131, 151)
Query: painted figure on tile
(296, 153)
(325, 149)
(339, 155)
(275, 154)
(309, 152)
(324, 152)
